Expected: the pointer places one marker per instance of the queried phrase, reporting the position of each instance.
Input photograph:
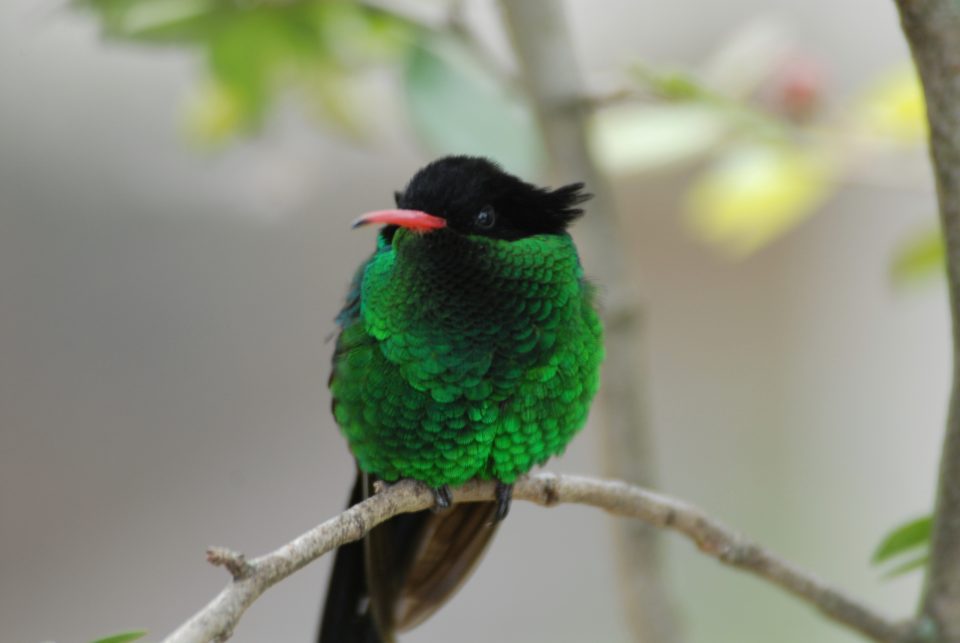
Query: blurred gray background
(163, 356)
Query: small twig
(216, 621)
(235, 562)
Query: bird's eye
(485, 219)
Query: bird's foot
(504, 495)
(442, 498)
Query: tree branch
(216, 621)
(545, 51)
(933, 29)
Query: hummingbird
(469, 348)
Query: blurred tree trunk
(542, 45)
(933, 29)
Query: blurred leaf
(255, 50)
(357, 36)
(683, 87)
(903, 538)
(175, 21)
(334, 96)
(125, 637)
(248, 53)
(755, 193)
(674, 84)
(893, 107)
(213, 115)
(636, 138)
(458, 106)
(921, 257)
(911, 565)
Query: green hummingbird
(469, 347)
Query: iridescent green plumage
(466, 356)
(469, 348)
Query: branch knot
(234, 562)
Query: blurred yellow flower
(755, 193)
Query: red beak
(412, 219)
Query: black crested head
(475, 196)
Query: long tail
(403, 571)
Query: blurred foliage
(755, 192)
(322, 49)
(637, 138)
(766, 152)
(893, 107)
(683, 87)
(125, 637)
(772, 159)
(255, 49)
(908, 543)
(457, 103)
(921, 257)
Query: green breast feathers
(465, 356)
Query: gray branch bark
(933, 29)
(217, 620)
(545, 52)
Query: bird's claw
(504, 495)
(442, 498)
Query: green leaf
(910, 535)
(247, 53)
(674, 84)
(457, 105)
(125, 637)
(256, 50)
(919, 258)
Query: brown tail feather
(450, 546)
(411, 565)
